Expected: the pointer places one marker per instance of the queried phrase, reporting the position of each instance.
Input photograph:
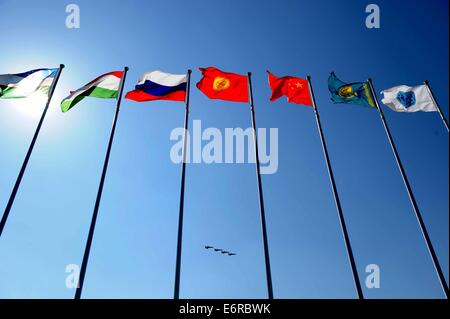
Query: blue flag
(350, 93)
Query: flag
(295, 89)
(157, 85)
(350, 93)
(405, 98)
(24, 84)
(216, 84)
(105, 86)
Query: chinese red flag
(216, 84)
(295, 89)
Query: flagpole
(176, 294)
(336, 196)
(260, 195)
(87, 250)
(427, 84)
(411, 197)
(30, 150)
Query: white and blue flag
(408, 99)
(24, 84)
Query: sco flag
(349, 93)
(408, 99)
(24, 84)
(157, 85)
(220, 85)
(295, 89)
(104, 86)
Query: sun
(31, 106)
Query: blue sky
(133, 253)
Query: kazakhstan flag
(349, 93)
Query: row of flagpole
(260, 195)
(30, 150)
(423, 228)
(436, 104)
(336, 196)
(349, 250)
(87, 250)
(176, 293)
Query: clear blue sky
(133, 253)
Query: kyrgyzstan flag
(295, 89)
(216, 84)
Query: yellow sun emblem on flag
(347, 92)
(221, 83)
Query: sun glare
(31, 106)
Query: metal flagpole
(260, 194)
(411, 197)
(427, 84)
(99, 193)
(336, 196)
(30, 150)
(176, 294)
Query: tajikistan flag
(24, 84)
(105, 86)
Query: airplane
(225, 252)
(231, 254)
(217, 249)
(208, 247)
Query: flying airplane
(217, 249)
(208, 247)
(225, 252)
(231, 254)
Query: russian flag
(157, 85)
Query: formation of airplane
(221, 250)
